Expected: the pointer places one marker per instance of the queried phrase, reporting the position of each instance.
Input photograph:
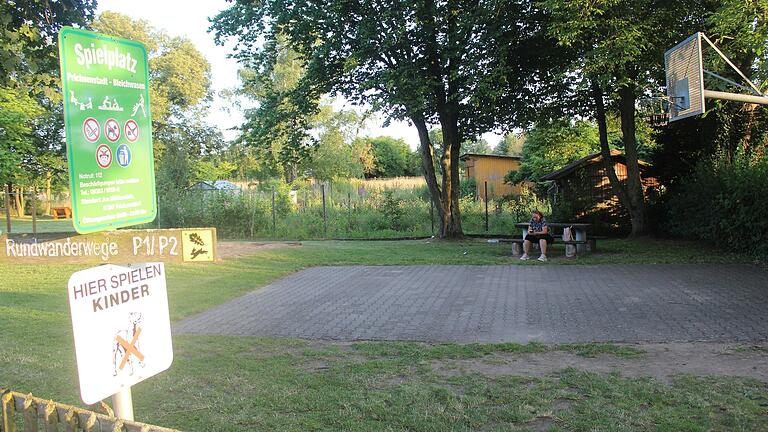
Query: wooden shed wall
(492, 170)
(590, 185)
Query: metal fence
(28, 413)
(323, 211)
(23, 212)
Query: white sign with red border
(121, 326)
(91, 129)
(112, 130)
(104, 156)
(131, 131)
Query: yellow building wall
(492, 170)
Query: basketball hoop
(655, 110)
(684, 65)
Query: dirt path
(660, 361)
(236, 249)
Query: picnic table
(579, 232)
(64, 212)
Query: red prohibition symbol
(131, 131)
(104, 156)
(112, 130)
(91, 129)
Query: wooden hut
(492, 169)
(584, 187)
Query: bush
(468, 188)
(722, 203)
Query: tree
(337, 152)
(18, 113)
(391, 157)
(550, 146)
(277, 130)
(28, 31)
(432, 62)
(618, 48)
(179, 77)
(478, 146)
(510, 145)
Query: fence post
(34, 212)
(325, 216)
(349, 210)
(7, 412)
(8, 208)
(252, 201)
(486, 206)
(432, 214)
(274, 215)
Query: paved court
(544, 303)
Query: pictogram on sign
(131, 131)
(112, 130)
(104, 156)
(124, 352)
(123, 155)
(91, 129)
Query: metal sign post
(122, 404)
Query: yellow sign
(197, 245)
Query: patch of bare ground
(660, 361)
(235, 249)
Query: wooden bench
(64, 212)
(517, 244)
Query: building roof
(215, 185)
(587, 160)
(466, 156)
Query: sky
(190, 19)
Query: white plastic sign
(121, 326)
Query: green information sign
(108, 129)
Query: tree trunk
(444, 196)
(617, 187)
(19, 199)
(451, 227)
(48, 192)
(634, 180)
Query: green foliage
(179, 73)
(468, 188)
(510, 145)
(392, 158)
(429, 62)
(551, 145)
(18, 113)
(723, 203)
(28, 31)
(479, 146)
(392, 208)
(337, 153)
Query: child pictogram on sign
(126, 346)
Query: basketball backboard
(685, 78)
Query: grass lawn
(246, 383)
(44, 225)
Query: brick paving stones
(553, 304)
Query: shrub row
(723, 203)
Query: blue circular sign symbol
(123, 155)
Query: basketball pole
(736, 97)
(122, 404)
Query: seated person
(538, 232)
